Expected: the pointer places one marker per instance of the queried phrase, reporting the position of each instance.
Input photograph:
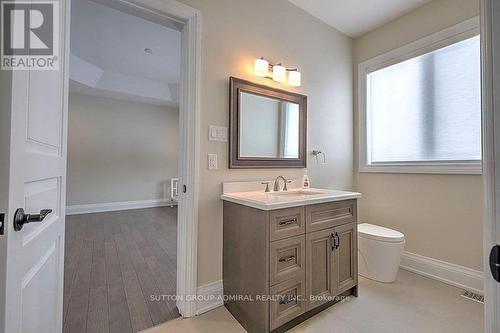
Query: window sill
(455, 168)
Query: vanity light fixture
(277, 72)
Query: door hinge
(2, 223)
(495, 262)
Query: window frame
(443, 38)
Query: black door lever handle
(20, 218)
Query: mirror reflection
(268, 127)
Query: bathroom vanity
(291, 252)
(287, 255)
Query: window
(421, 112)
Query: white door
(34, 255)
(490, 34)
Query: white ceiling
(357, 17)
(111, 44)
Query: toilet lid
(376, 232)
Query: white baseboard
(455, 275)
(209, 297)
(114, 206)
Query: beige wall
(119, 150)
(235, 32)
(441, 215)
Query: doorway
(124, 157)
(34, 129)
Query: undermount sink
(296, 193)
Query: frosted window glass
(427, 108)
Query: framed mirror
(268, 127)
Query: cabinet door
(345, 258)
(319, 267)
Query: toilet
(379, 252)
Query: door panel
(37, 180)
(44, 110)
(37, 296)
(345, 262)
(490, 50)
(319, 267)
(40, 195)
(345, 258)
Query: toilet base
(378, 260)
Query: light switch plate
(212, 162)
(217, 133)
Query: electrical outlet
(217, 133)
(212, 161)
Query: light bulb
(279, 73)
(294, 78)
(261, 67)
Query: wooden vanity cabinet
(283, 266)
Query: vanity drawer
(288, 259)
(288, 222)
(330, 214)
(287, 301)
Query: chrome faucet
(277, 183)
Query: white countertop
(292, 198)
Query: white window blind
(427, 108)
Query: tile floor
(412, 304)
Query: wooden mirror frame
(235, 161)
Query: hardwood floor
(115, 263)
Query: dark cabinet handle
(334, 241)
(20, 218)
(288, 221)
(287, 301)
(287, 259)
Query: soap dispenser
(305, 180)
